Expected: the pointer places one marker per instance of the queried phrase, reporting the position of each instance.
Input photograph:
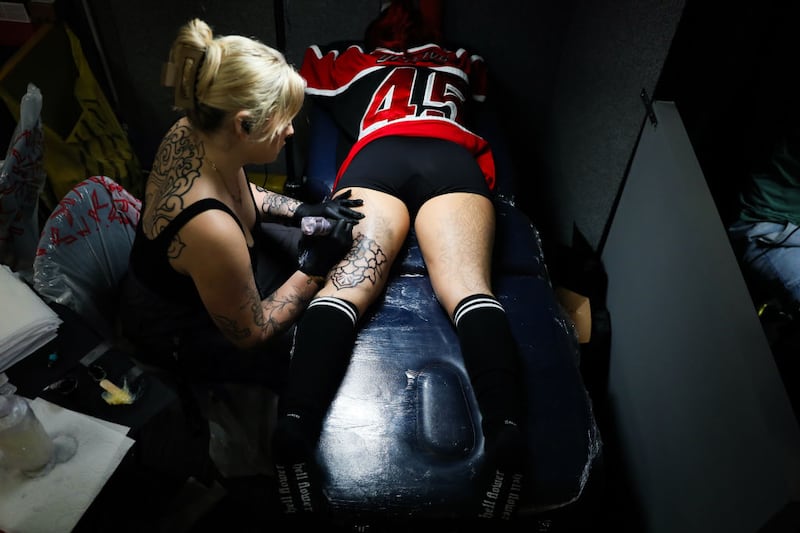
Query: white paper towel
(55, 502)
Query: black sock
(501, 479)
(491, 360)
(299, 482)
(323, 344)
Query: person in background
(219, 271)
(764, 227)
(765, 233)
(402, 100)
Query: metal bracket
(648, 106)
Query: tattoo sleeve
(230, 328)
(280, 312)
(276, 205)
(272, 316)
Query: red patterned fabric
(84, 248)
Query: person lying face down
(211, 290)
(401, 99)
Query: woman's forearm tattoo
(230, 328)
(277, 204)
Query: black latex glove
(336, 209)
(319, 253)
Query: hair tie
(187, 59)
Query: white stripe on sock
(336, 303)
(477, 303)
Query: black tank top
(150, 263)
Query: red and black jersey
(421, 92)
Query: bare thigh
(456, 237)
(377, 238)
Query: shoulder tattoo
(175, 169)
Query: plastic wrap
(22, 178)
(84, 249)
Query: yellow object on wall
(82, 134)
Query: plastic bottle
(315, 225)
(24, 443)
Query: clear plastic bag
(84, 250)
(22, 179)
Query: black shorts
(415, 169)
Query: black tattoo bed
(402, 441)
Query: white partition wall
(706, 428)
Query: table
(166, 446)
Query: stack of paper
(26, 322)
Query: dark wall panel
(612, 51)
(136, 36)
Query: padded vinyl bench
(401, 444)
